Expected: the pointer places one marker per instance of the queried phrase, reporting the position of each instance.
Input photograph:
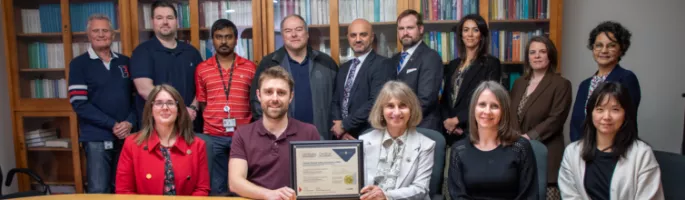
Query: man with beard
(223, 90)
(264, 145)
(358, 83)
(419, 66)
(163, 59)
(313, 71)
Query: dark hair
(505, 130)
(484, 37)
(405, 13)
(621, 35)
(162, 4)
(276, 72)
(551, 55)
(625, 136)
(296, 16)
(222, 24)
(183, 125)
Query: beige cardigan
(636, 177)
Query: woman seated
(398, 159)
(165, 157)
(610, 161)
(495, 162)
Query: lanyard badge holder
(228, 122)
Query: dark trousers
(218, 152)
(101, 166)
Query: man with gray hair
(314, 73)
(101, 94)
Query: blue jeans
(101, 166)
(218, 151)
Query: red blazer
(141, 167)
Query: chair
(540, 151)
(30, 173)
(672, 172)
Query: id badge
(109, 145)
(229, 124)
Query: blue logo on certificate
(345, 154)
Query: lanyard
(227, 90)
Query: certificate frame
(356, 144)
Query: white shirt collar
(94, 55)
(413, 48)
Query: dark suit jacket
(374, 72)
(423, 73)
(482, 69)
(322, 72)
(626, 77)
(544, 115)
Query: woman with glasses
(608, 42)
(165, 157)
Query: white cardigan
(636, 177)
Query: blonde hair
(182, 126)
(402, 92)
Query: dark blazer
(482, 69)
(322, 72)
(544, 115)
(423, 73)
(374, 72)
(621, 75)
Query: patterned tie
(404, 56)
(348, 86)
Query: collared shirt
(410, 51)
(94, 56)
(390, 160)
(211, 91)
(304, 110)
(268, 157)
(359, 67)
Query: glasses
(161, 104)
(611, 46)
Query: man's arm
(430, 79)
(238, 183)
(78, 97)
(142, 71)
(143, 86)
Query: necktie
(404, 56)
(349, 81)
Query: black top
(598, 175)
(506, 172)
(303, 90)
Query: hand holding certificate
(327, 169)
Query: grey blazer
(415, 173)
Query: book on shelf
(46, 19)
(519, 9)
(239, 12)
(39, 133)
(448, 9)
(39, 141)
(444, 43)
(182, 16)
(510, 46)
(48, 88)
(45, 55)
(313, 11)
(80, 12)
(371, 10)
(59, 143)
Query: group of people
(166, 122)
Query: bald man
(358, 82)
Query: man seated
(263, 146)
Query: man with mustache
(260, 154)
(358, 83)
(313, 71)
(165, 60)
(420, 67)
(223, 90)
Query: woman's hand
(372, 192)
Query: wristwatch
(193, 107)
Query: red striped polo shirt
(210, 91)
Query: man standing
(163, 59)
(358, 83)
(260, 156)
(100, 92)
(223, 91)
(313, 71)
(420, 67)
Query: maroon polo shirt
(268, 157)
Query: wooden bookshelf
(495, 21)
(48, 149)
(42, 70)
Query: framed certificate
(327, 169)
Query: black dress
(506, 172)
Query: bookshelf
(42, 37)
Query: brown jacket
(544, 115)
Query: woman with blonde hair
(398, 160)
(165, 157)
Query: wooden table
(121, 197)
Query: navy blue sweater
(100, 97)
